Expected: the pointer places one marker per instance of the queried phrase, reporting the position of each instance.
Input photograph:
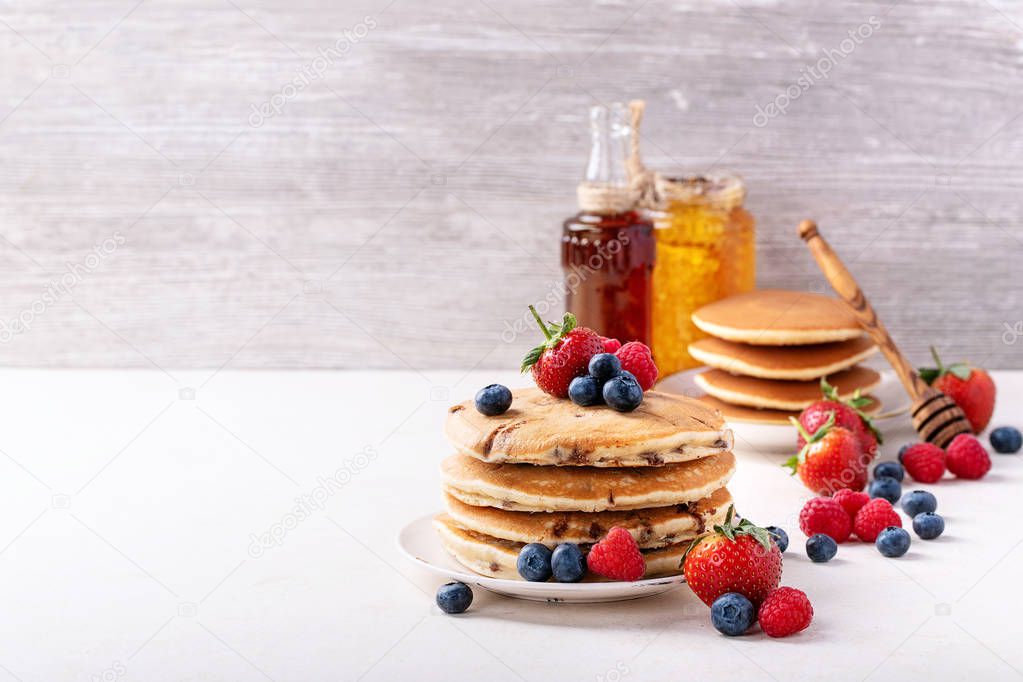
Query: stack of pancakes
(769, 349)
(549, 471)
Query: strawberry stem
(937, 360)
(539, 321)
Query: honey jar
(706, 250)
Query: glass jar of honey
(706, 250)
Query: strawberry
(830, 460)
(733, 558)
(970, 387)
(636, 358)
(848, 414)
(617, 556)
(563, 356)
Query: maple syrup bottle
(608, 248)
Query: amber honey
(706, 250)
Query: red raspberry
(636, 358)
(617, 556)
(825, 515)
(785, 612)
(851, 501)
(875, 516)
(924, 462)
(610, 345)
(967, 458)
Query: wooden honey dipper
(936, 417)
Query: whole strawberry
(636, 358)
(970, 387)
(848, 414)
(733, 558)
(830, 460)
(563, 356)
(617, 556)
(967, 458)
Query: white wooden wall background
(400, 209)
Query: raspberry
(636, 358)
(610, 345)
(825, 515)
(785, 612)
(967, 458)
(924, 462)
(875, 516)
(617, 556)
(851, 501)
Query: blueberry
(821, 548)
(918, 502)
(534, 562)
(1006, 439)
(585, 391)
(623, 393)
(568, 563)
(454, 597)
(886, 488)
(493, 400)
(903, 449)
(732, 614)
(893, 542)
(891, 470)
(604, 366)
(928, 525)
(781, 538)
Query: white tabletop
(134, 503)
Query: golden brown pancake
(776, 317)
(525, 487)
(496, 558)
(802, 363)
(782, 395)
(541, 429)
(656, 527)
(753, 415)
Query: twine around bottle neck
(604, 198)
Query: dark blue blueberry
(928, 525)
(903, 449)
(893, 541)
(891, 470)
(568, 563)
(821, 548)
(732, 614)
(623, 393)
(534, 562)
(781, 538)
(886, 488)
(454, 597)
(493, 400)
(604, 366)
(1006, 439)
(918, 502)
(585, 391)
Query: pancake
(524, 487)
(753, 415)
(656, 527)
(541, 429)
(782, 395)
(496, 558)
(775, 317)
(782, 362)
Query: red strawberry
(563, 356)
(851, 501)
(610, 345)
(925, 462)
(875, 516)
(636, 358)
(785, 612)
(617, 556)
(825, 515)
(967, 458)
(830, 460)
(970, 387)
(848, 414)
(733, 558)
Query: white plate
(782, 437)
(418, 541)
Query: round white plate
(782, 437)
(418, 541)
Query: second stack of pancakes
(768, 350)
(549, 471)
